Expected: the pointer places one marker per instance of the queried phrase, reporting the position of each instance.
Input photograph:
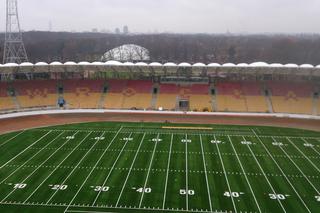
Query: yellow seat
(84, 101)
(256, 104)
(114, 101)
(166, 101)
(37, 101)
(6, 103)
(200, 102)
(230, 103)
(293, 105)
(140, 101)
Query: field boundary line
(167, 174)
(93, 168)
(284, 175)
(25, 149)
(206, 174)
(245, 175)
(226, 177)
(80, 161)
(134, 160)
(56, 167)
(8, 140)
(279, 201)
(148, 173)
(34, 155)
(109, 207)
(299, 170)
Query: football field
(141, 167)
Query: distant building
(117, 31)
(94, 30)
(126, 30)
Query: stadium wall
(27, 120)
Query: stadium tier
(240, 97)
(129, 94)
(36, 93)
(82, 93)
(291, 98)
(6, 102)
(226, 96)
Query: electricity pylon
(14, 50)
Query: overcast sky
(179, 16)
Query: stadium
(160, 137)
(126, 134)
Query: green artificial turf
(142, 167)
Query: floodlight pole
(14, 50)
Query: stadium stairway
(318, 105)
(268, 101)
(155, 96)
(315, 100)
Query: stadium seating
(167, 97)
(129, 94)
(36, 93)
(6, 102)
(83, 93)
(240, 97)
(255, 101)
(230, 97)
(291, 98)
(197, 95)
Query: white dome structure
(128, 52)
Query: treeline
(62, 46)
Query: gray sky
(180, 16)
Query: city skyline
(176, 16)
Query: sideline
(95, 111)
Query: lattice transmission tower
(14, 50)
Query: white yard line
(206, 174)
(56, 167)
(10, 139)
(167, 175)
(265, 176)
(26, 178)
(134, 159)
(306, 157)
(149, 168)
(94, 167)
(225, 175)
(34, 155)
(284, 175)
(299, 169)
(187, 183)
(24, 150)
(245, 175)
(80, 161)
